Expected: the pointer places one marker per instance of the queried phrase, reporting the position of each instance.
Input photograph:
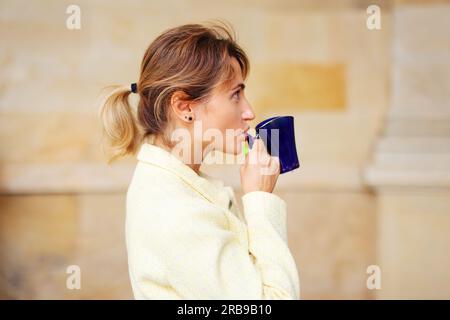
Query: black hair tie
(134, 87)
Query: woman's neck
(157, 141)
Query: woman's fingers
(264, 159)
(271, 167)
(253, 155)
(260, 146)
(275, 165)
(260, 171)
(258, 155)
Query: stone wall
(410, 169)
(61, 204)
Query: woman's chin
(238, 150)
(233, 148)
(234, 151)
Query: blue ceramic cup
(278, 135)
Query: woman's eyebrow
(241, 85)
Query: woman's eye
(236, 94)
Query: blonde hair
(192, 58)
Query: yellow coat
(187, 239)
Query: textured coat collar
(210, 188)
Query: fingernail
(245, 149)
(250, 139)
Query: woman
(186, 237)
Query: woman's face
(227, 113)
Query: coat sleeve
(205, 260)
(266, 216)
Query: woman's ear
(182, 106)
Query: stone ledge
(64, 178)
(380, 177)
(101, 178)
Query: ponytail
(119, 124)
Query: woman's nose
(248, 113)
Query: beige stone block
(400, 3)
(422, 87)
(38, 239)
(42, 235)
(331, 235)
(427, 127)
(44, 63)
(101, 250)
(413, 244)
(332, 37)
(422, 29)
(65, 178)
(366, 54)
(297, 87)
(49, 138)
(57, 153)
(324, 138)
(294, 36)
(367, 88)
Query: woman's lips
(243, 132)
(246, 131)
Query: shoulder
(159, 184)
(158, 196)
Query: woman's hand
(260, 170)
